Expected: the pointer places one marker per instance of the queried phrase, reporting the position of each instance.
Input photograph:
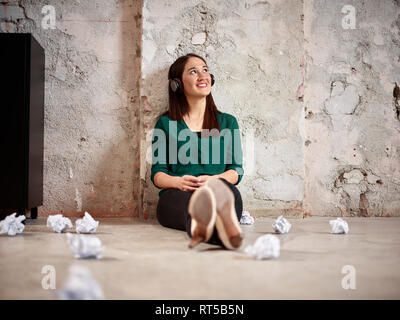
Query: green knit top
(178, 151)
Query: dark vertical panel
(21, 121)
(36, 125)
(12, 108)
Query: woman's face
(196, 78)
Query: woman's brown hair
(178, 105)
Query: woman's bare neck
(197, 108)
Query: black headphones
(177, 87)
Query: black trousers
(172, 210)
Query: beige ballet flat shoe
(202, 209)
(227, 223)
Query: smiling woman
(190, 95)
(197, 196)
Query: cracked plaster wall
(352, 154)
(317, 98)
(255, 50)
(91, 156)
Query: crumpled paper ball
(12, 224)
(246, 218)
(339, 226)
(265, 247)
(84, 247)
(87, 224)
(80, 285)
(281, 225)
(58, 223)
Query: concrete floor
(143, 260)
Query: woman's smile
(202, 85)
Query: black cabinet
(21, 123)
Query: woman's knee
(160, 214)
(237, 197)
(162, 209)
(236, 193)
(172, 209)
(234, 189)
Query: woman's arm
(234, 169)
(165, 181)
(185, 183)
(229, 175)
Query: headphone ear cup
(212, 79)
(174, 84)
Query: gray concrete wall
(91, 139)
(352, 130)
(314, 101)
(255, 51)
